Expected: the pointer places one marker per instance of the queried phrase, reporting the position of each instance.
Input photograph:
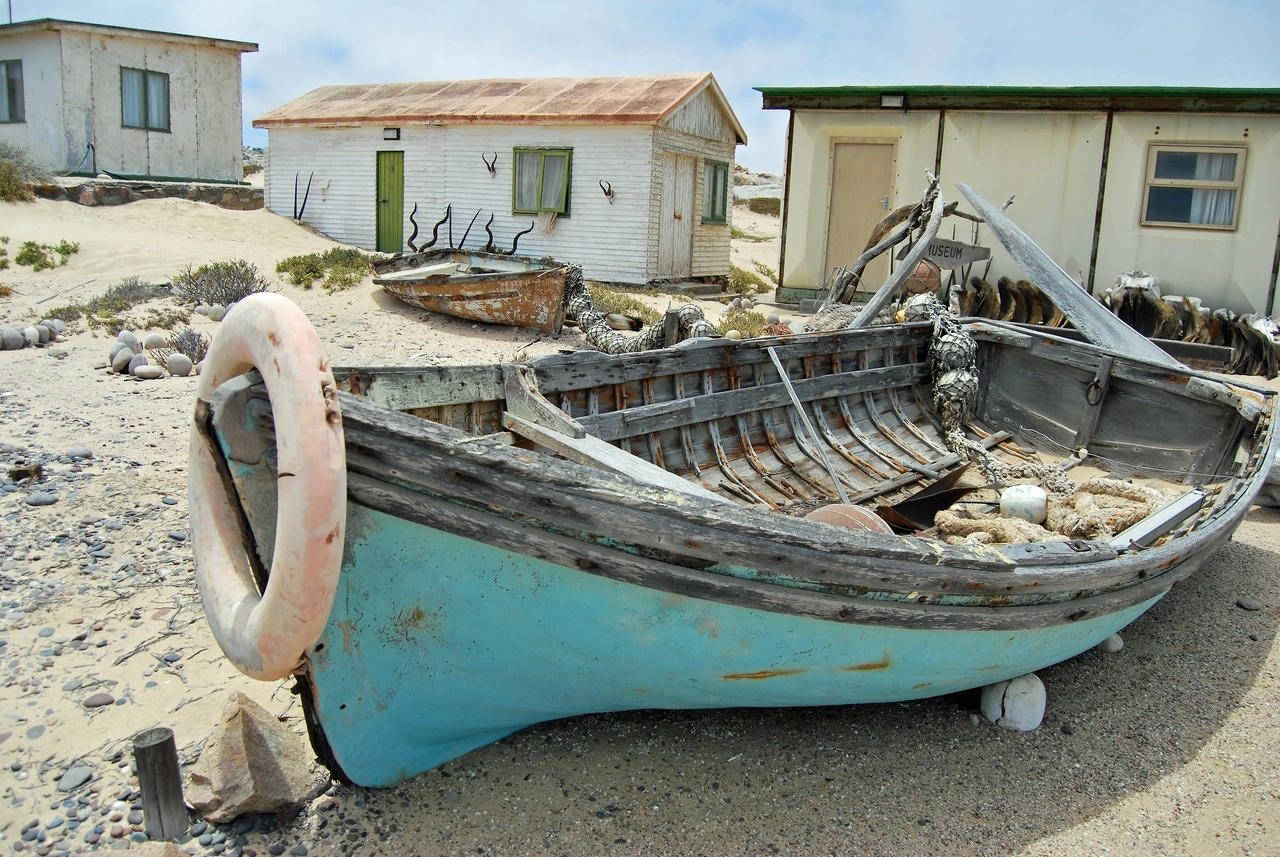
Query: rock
(46, 335)
(773, 318)
(11, 339)
(796, 326)
(155, 340)
(137, 361)
(148, 372)
(146, 848)
(98, 700)
(733, 334)
(55, 324)
(299, 850)
(80, 452)
(120, 362)
(747, 303)
(1017, 704)
(74, 778)
(217, 311)
(1111, 644)
(251, 763)
(134, 817)
(177, 535)
(130, 339)
(202, 309)
(41, 498)
(736, 303)
(31, 336)
(179, 364)
(1247, 603)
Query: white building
(1180, 183)
(627, 176)
(133, 103)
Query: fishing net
(579, 306)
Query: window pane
(17, 113)
(1212, 207)
(722, 175)
(554, 168)
(1176, 165)
(709, 190)
(527, 180)
(1198, 166)
(4, 83)
(158, 101)
(1169, 204)
(131, 98)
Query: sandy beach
(1166, 747)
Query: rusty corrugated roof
(635, 100)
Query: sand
(1168, 746)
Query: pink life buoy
(267, 636)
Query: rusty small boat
(521, 291)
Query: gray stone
(11, 339)
(57, 325)
(80, 452)
(74, 778)
(31, 335)
(177, 536)
(116, 348)
(136, 361)
(299, 850)
(178, 364)
(148, 373)
(251, 763)
(98, 700)
(41, 498)
(1111, 644)
(74, 684)
(130, 339)
(155, 340)
(120, 363)
(134, 817)
(202, 309)
(1247, 603)
(217, 311)
(46, 335)
(1017, 704)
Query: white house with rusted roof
(88, 98)
(627, 176)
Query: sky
(745, 44)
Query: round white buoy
(1017, 704)
(1028, 502)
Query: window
(144, 99)
(1193, 186)
(541, 180)
(11, 108)
(715, 192)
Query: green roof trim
(1141, 99)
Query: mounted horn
(463, 242)
(435, 230)
(492, 166)
(516, 240)
(488, 248)
(415, 228)
(607, 187)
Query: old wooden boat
(521, 291)
(445, 555)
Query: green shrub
(341, 268)
(769, 205)
(743, 282)
(736, 233)
(747, 321)
(108, 309)
(218, 282)
(12, 187)
(769, 273)
(28, 169)
(608, 300)
(251, 169)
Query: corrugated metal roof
(1146, 99)
(636, 100)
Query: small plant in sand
(4, 252)
(40, 256)
(743, 282)
(738, 235)
(187, 341)
(108, 309)
(766, 271)
(28, 169)
(251, 169)
(6, 291)
(340, 268)
(13, 188)
(608, 300)
(218, 282)
(747, 321)
(769, 205)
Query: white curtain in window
(1216, 167)
(527, 164)
(131, 99)
(1213, 207)
(157, 101)
(554, 168)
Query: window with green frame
(540, 180)
(11, 103)
(144, 99)
(715, 192)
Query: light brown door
(861, 195)
(675, 225)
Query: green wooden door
(390, 202)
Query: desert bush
(736, 233)
(747, 321)
(218, 282)
(108, 309)
(769, 205)
(609, 300)
(28, 168)
(40, 256)
(743, 282)
(6, 291)
(340, 267)
(251, 169)
(190, 342)
(13, 188)
(766, 271)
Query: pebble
(177, 536)
(136, 362)
(74, 778)
(217, 311)
(54, 822)
(31, 335)
(298, 850)
(79, 452)
(155, 340)
(57, 325)
(219, 837)
(206, 840)
(773, 318)
(1068, 729)
(198, 828)
(45, 632)
(172, 657)
(74, 684)
(1245, 603)
(135, 817)
(275, 849)
(44, 333)
(1111, 644)
(138, 836)
(120, 363)
(201, 309)
(11, 339)
(98, 700)
(169, 501)
(241, 825)
(117, 831)
(179, 364)
(148, 373)
(130, 339)
(1017, 704)
(41, 498)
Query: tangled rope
(579, 306)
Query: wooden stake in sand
(156, 753)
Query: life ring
(267, 636)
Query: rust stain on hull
(760, 674)
(882, 664)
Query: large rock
(251, 763)
(1017, 704)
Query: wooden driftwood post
(161, 782)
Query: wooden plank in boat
(403, 388)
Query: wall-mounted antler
(488, 248)
(492, 166)
(607, 187)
